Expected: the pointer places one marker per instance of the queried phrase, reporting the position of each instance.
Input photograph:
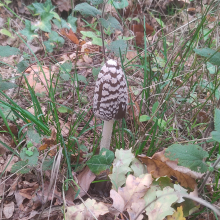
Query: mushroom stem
(106, 134)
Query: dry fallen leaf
(138, 30)
(158, 165)
(84, 180)
(29, 192)
(8, 209)
(86, 210)
(70, 35)
(131, 54)
(130, 197)
(38, 79)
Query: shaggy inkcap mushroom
(110, 98)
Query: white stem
(107, 134)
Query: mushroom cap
(111, 93)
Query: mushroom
(110, 98)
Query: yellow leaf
(178, 215)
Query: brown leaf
(138, 30)
(28, 192)
(70, 35)
(13, 128)
(158, 165)
(210, 18)
(38, 79)
(43, 147)
(203, 117)
(131, 54)
(84, 180)
(191, 11)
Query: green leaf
(138, 167)
(88, 34)
(189, 207)
(208, 53)
(95, 2)
(64, 24)
(95, 72)
(122, 161)
(118, 45)
(125, 38)
(119, 4)
(6, 51)
(190, 156)
(33, 136)
(66, 67)
(7, 85)
(161, 123)
(86, 9)
(160, 22)
(63, 109)
(101, 162)
(216, 136)
(55, 37)
(39, 8)
(29, 153)
(5, 32)
(163, 182)
(97, 41)
(44, 24)
(72, 23)
(57, 23)
(29, 144)
(144, 118)
(65, 76)
(49, 46)
(211, 68)
(217, 120)
(22, 66)
(32, 159)
(8, 112)
(17, 166)
(154, 108)
(111, 23)
(81, 78)
(160, 208)
(28, 32)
